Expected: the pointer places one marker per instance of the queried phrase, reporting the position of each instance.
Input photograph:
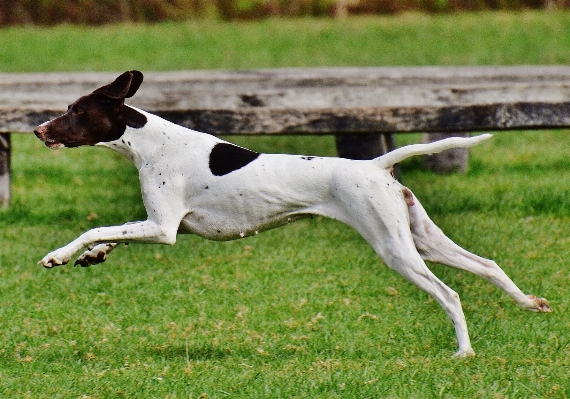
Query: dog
(196, 183)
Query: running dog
(196, 183)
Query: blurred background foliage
(96, 12)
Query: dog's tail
(393, 157)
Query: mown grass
(303, 311)
(306, 310)
(412, 39)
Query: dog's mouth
(41, 133)
(53, 145)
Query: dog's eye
(75, 110)
(109, 103)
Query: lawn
(411, 39)
(308, 310)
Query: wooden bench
(359, 105)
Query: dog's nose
(40, 131)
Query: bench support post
(5, 170)
(454, 160)
(366, 146)
(363, 146)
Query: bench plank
(527, 115)
(260, 120)
(317, 100)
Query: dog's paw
(539, 304)
(95, 255)
(463, 353)
(53, 259)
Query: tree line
(96, 12)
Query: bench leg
(4, 170)
(363, 146)
(366, 146)
(454, 160)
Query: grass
(304, 311)
(412, 39)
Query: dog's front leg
(95, 254)
(143, 232)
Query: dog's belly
(269, 192)
(221, 227)
(277, 189)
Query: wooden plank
(155, 95)
(316, 100)
(375, 120)
(291, 78)
(525, 115)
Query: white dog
(195, 183)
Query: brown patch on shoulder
(408, 197)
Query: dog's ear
(136, 82)
(124, 86)
(132, 117)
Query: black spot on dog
(226, 158)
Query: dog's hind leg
(433, 245)
(412, 267)
(387, 231)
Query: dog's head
(101, 116)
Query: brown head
(101, 116)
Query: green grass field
(412, 39)
(308, 310)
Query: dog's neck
(139, 145)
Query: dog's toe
(47, 265)
(50, 262)
(463, 353)
(540, 304)
(82, 261)
(93, 256)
